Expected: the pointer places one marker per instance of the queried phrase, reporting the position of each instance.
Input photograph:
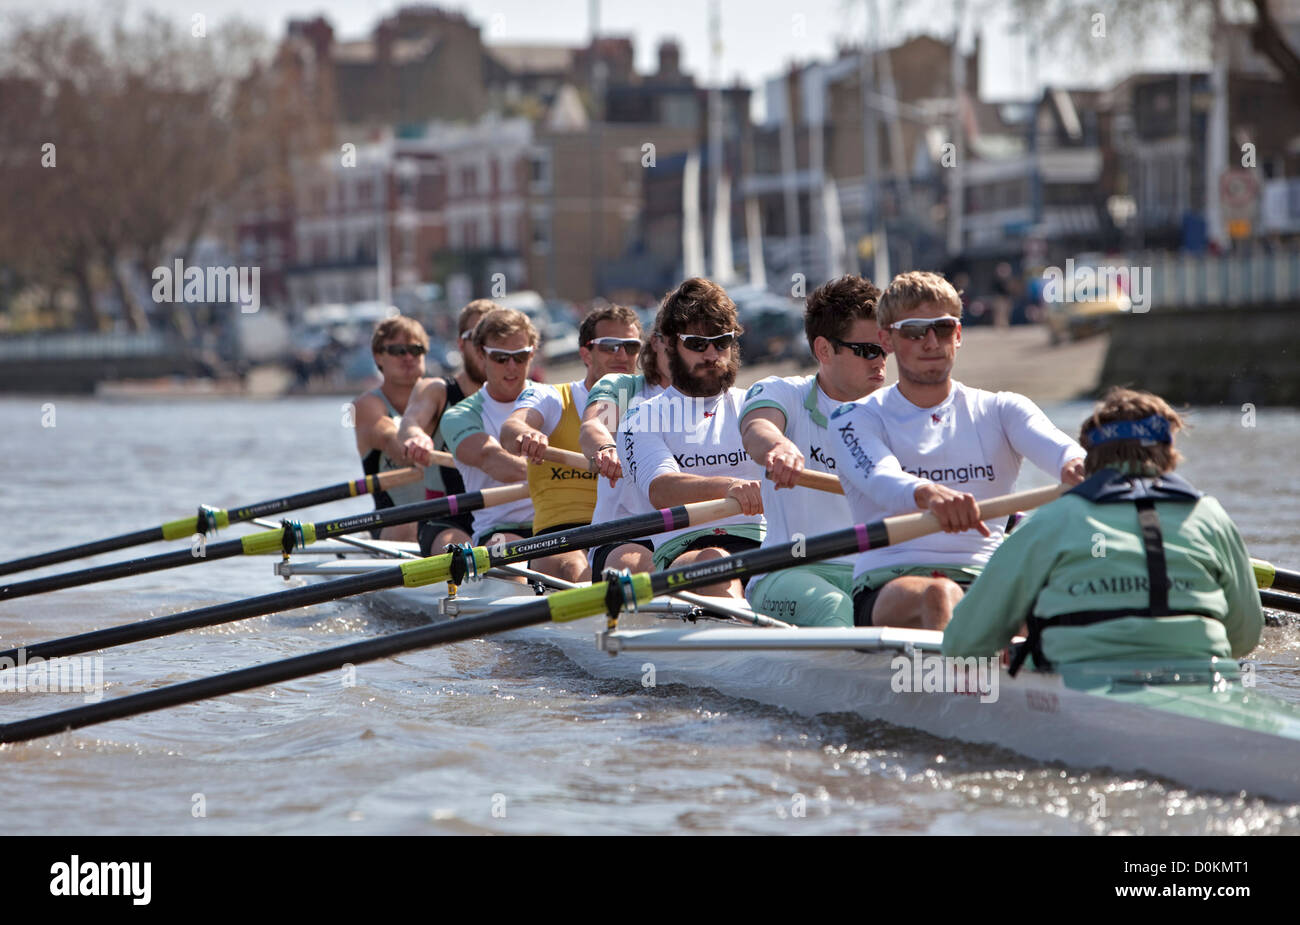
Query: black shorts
(559, 528)
(429, 530)
(601, 555)
(864, 602)
(728, 541)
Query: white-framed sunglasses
(916, 328)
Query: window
(539, 163)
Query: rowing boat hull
(1204, 730)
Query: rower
(398, 346)
(609, 340)
(684, 444)
(1173, 580)
(932, 443)
(608, 403)
(507, 341)
(420, 423)
(784, 425)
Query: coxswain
(1134, 563)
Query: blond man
(931, 443)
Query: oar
(412, 573)
(602, 597)
(289, 537)
(213, 518)
(1268, 575)
(1276, 601)
(820, 481)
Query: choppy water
(494, 735)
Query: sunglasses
(868, 351)
(698, 343)
(917, 328)
(629, 345)
(505, 356)
(401, 350)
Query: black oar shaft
(386, 517)
(109, 544)
(112, 570)
(1276, 601)
(578, 538)
(1286, 580)
(275, 672)
(189, 525)
(209, 616)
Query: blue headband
(1150, 430)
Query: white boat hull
(1205, 732)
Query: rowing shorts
(521, 530)
(817, 594)
(601, 555)
(429, 530)
(868, 585)
(734, 539)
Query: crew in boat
(507, 341)
(398, 345)
(608, 403)
(609, 340)
(684, 444)
(785, 425)
(420, 421)
(1134, 563)
(931, 443)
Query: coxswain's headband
(1150, 430)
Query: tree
(156, 135)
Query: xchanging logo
(860, 458)
(960, 474)
(733, 458)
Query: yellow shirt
(562, 495)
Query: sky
(760, 38)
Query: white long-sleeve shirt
(674, 433)
(973, 441)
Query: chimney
(669, 60)
(385, 32)
(318, 32)
(973, 70)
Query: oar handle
(505, 494)
(568, 458)
(396, 478)
(906, 527)
(821, 481)
(701, 512)
(439, 458)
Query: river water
(492, 735)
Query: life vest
(1110, 486)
